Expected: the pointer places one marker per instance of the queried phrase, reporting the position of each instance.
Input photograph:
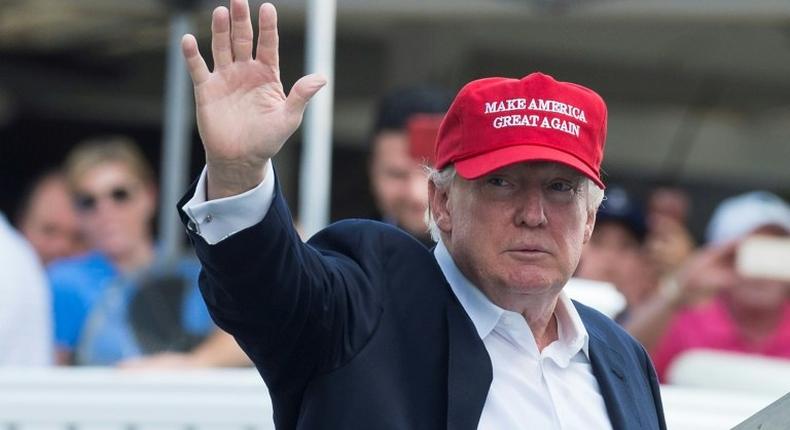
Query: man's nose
(105, 207)
(530, 212)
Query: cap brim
(479, 165)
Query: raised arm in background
(702, 277)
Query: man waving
(362, 327)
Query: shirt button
(208, 219)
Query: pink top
(711, 327)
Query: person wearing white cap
(741, 215)
(715, 305)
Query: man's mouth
(528, 251)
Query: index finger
(267, 51)
(195, 63)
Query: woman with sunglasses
(119, 302)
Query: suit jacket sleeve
(296, 309)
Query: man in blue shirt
(94, 293)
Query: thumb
(303, 90)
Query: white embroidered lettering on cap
(542, 105)
(506, 105)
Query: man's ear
(438, 204)
(589, 226)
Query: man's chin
(537, 281)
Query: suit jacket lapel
(609, 370)
(469, 371)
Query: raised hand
(243, 114)
(708, 271)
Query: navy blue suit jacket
(358, 329)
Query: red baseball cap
(496, 122)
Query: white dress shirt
(550, 389)
(215, 220)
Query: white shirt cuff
(216, 220)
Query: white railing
(236, 399)
(687, 408)
(731, 372)
(108, 399)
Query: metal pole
(177, 131)
(315, 172)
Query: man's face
(50, 223)
(517, 231)
(399, 183)
(669, 202)
(115, 208)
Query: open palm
(243, 114)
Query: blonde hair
(109, 149)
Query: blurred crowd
(83, 278)
(681, 295)
(84, 284)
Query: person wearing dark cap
(615, 252)
(363, 327)
(398, 181)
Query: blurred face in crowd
(50, 223)
(668, 202)
(614, 254)
(399, 183)
(757, 294)
(115, 208)
(517, 231)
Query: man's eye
(560, 186)
(497, 182)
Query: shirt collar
(485, 315)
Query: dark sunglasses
(87, 202)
